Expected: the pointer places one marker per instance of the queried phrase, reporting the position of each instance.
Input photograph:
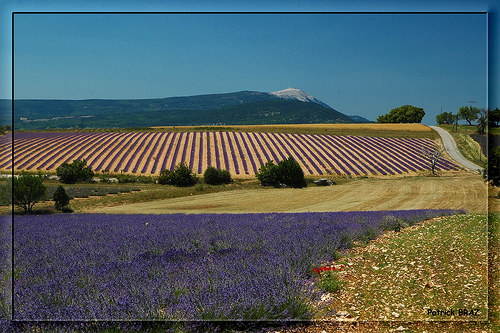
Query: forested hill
(240, 108)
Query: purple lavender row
(176, 151)
(160, 151)
(142, 147)
(351, 150)
(63, 154)
(376, 155)
(257, 154)
(354, 145)
(185, 149)
(300, 158)
(193, 148)
(270, 144)
(385, 153)
(299, 140)
(126, 150)
(42, 150)
(396, 155)
(167, 153)
(130, 152)
(79, 153)
(146, 149)
(240, 151)
(344, 165)
(117, 151)
(107, 151)
(266, 155)
(152, 151)
(191, 266)
(249, 154)
(308, 145)
(233, 155)
(346, 156)
(224, 152)
(410, 153)
(209, 153)
(6, 156)
(38, 145)
(314, 139)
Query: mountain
(289, 106)
(360, 119)
(299, 95)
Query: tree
(74, 172)
(181, 176)
(494, 117)
(60, 197)
(445, 118)
(214, 176)
(403, 114)
(482, 121)
(291, 174)
(468, 113)
(268, 174)
(433, 156)
(27, 190)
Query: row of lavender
(240, 153)
(188, 267)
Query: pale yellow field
(306, 127)
(455, 192)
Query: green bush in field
(214, 176)
(291, 174)
(27, 190)
(181, 176)
(60, 197)
(77, 171)
(268, 174)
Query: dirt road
(464, 192)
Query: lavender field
(183, 267)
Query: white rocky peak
(297, 94)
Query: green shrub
(60, 197)
(181, 176)
(27, 190)
(291, 174)
(214, 176)
(78, 171)
(268, 174)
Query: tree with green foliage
(403, 114)
(445, 118)
(482, 121)
(77, 171)
(27, 190)
(291, 174)
(60, 197)
(468, 113)
(493, 117)
(181, 176)
(214, 176)
(268, 174)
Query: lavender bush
(182, 267)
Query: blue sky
(358, 63)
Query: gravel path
(451, 148)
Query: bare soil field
(454, 192)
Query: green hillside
(239, 108)
(256, 113)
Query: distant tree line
(483, 117)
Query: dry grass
(461, 192)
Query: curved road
(451, 148)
